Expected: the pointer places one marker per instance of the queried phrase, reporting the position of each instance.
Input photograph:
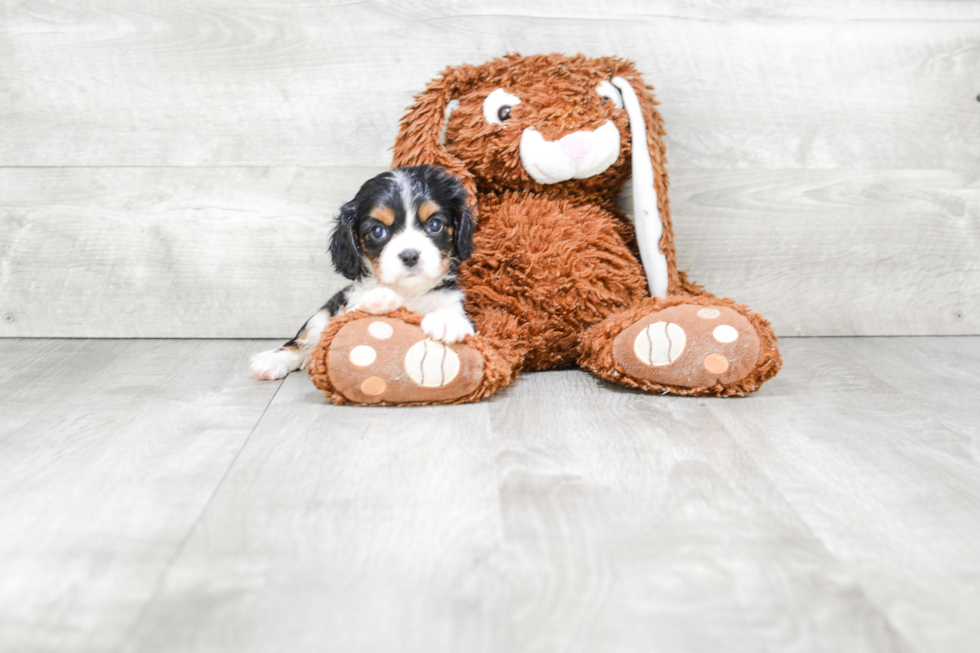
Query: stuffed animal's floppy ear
(420, 137)
(651, 209)
(344, 248)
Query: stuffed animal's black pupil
(379, 232)
(433, 226)
(503, 113)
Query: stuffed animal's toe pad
(689, 346)
(383, 359)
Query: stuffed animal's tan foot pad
(689, 346)
(383, 359)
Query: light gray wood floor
(154, 497)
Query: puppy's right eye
(497, 106)
(378, 232)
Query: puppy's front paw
(273, 364)
(380, 301)
(446, 326)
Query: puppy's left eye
(379, 232)
(433, 226)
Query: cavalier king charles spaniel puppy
(399, 241)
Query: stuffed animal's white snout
(578, 155)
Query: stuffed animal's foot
(386, 360)
(689, 346)
(696, 348)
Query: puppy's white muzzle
(428, 266)
(576, 156)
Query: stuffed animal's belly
(557, 268)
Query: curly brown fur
(556, 266)
(487, 157)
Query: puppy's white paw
(380, 301)
(446, 326)
(274, 364)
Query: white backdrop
(169, 168)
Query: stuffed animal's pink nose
(577, 145)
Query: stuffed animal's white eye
(610, 92)
(497, 106)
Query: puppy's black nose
(409, 257)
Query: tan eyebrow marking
(383, 215)
(427, 209)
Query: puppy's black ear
(463, 227)
(464, 220)
(344, 247)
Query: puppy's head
(408, 227)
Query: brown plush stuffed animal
(545, 145)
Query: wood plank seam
(824, 545)
(131, 631)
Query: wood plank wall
(169, 168)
